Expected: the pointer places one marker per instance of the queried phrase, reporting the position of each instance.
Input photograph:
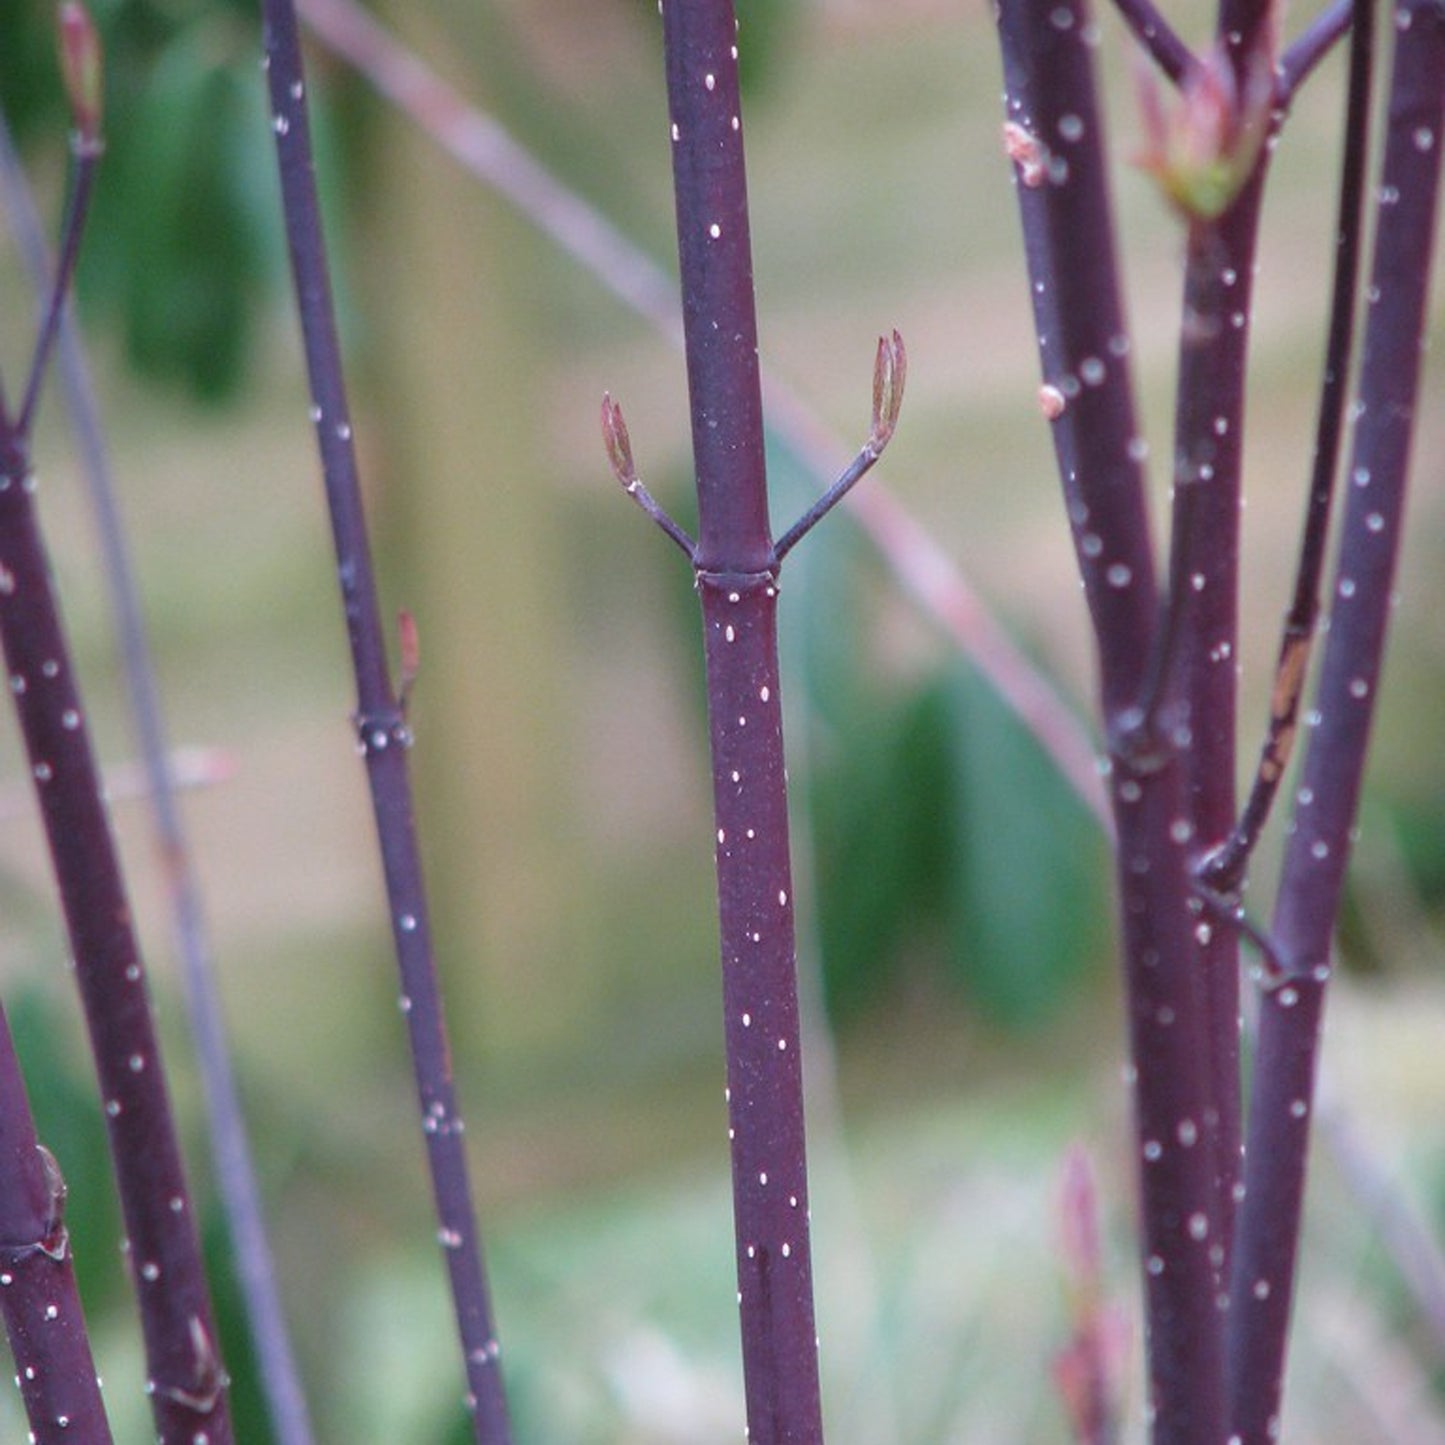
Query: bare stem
(1314, 43)
(1055, 131)
(1157, 36)
(1327, 802)
(383, 735)
(734, 565)
(279, 1376)
(38, 1298)
(187, 1382)
(1224, 870)
(890, 373)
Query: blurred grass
(584, 988)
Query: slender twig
(1327, 802)
(38, 1298)
(619, 453)
(187, 1382)
(1224, 870)
(890, 372)
(279, 1376)
(1410, 1243)
(919, 566)
(1312, 45)
(383, 734)
(1169, 52)
(1062, 189)
(83, 179)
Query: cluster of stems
(1220, 1217)
(1221, 1174)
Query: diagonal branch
(235, 1173)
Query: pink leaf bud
(82, 66)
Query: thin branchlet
(1319, 844)
(186, 1378)
(1223, 870)
(384, 737)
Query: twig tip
(618, 443)
(82, 66)
(890, 372)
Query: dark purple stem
(186, 1378)
(1313, 44)
(1055, 138)
(230, 1150)
(1326, 805)
(1196, 664)
(187, 1382)
(38, 1298)
(383, 735)
(87, 155)
(735, 567)
(1157, 36)
(1224, 870)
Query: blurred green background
(954, 897)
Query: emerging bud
(1079, 1222)
(890, 372)
(82, 66)
(1203, 150)
(1027, 152)
(410, 640)
(618, 443)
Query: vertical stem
(384, 737)
(1326, 804)
(38, 1297)
(1055, 137)
(1203, 609)
(1225, 869)
(735, 568)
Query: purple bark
(384, 739)
(1327, 801)
(38, 1298)
(735, 567)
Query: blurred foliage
(949, 859)
(948, 847)
(941, 823)
(184, 238)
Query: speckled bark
(186, 1380)
(43, 1318)
(1054, 136)
(736, 578)
(384, 739)
(1327, 800)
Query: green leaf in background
(882, 844)
(766, 30)
(29, 79)
(1028, 885)
(179, 244)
